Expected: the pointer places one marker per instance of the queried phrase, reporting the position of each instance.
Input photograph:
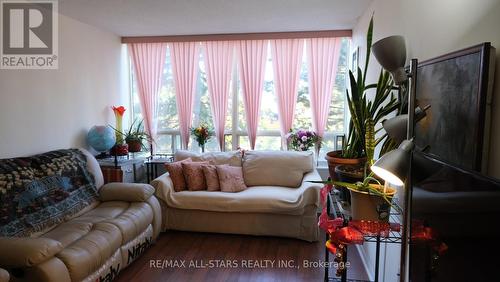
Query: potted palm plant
(362, 108)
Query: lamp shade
(396, 127)
(390, 52)
(393, 166)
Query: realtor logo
(28, 34)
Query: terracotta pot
(334, 159)
(350, 174)
(365, 206)
(119, 150)
(134, 146)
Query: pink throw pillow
(193, 174)
(175, 171)
(231, 178)
(211, 177)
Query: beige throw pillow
(211, 177)
(175, 171)
(230, 178)
(193, 174)
(232, 158)
(276, 168)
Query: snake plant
(362, 107)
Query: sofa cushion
(177, 175)
(130, 218)
(260, 199)
(211, 177)
(232, 158)
(193, 174)
(91, 251)
(230, 178)
(276, 168)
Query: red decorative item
(119, 150)
(119, 110)
(425, 234)
(374, 228)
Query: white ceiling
(180, 17)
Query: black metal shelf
(338, 208)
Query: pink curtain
(148, 60)
(323, 56)
(252, 61)
(184, 57)
(218, 62)
(287, 58)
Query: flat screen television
(453, 202)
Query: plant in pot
(135, 137)
(370, 199)
(347, 165)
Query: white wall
(432, 28)
(41, 110)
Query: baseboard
(364, 261)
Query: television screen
(454, 206)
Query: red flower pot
(119, 150)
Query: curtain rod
(239, 36)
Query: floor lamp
(395, 166)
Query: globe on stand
(101, 138)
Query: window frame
(235, 132)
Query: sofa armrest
(26, 252)
(129, 192)
(163, 186)
(311, 190)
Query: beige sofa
(92, 245)
(278, 201)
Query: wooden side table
(128, 170)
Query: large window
(268, 136)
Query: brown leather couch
(95, 244)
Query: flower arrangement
(135, 136)
(202, 134)
(302, 140)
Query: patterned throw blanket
(38, 192)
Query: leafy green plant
(136, 133)
(362, 107)
(370, 184)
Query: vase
(349, 174)
(334, 159)
(368, 206)
(202, 147)
(119, 111)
